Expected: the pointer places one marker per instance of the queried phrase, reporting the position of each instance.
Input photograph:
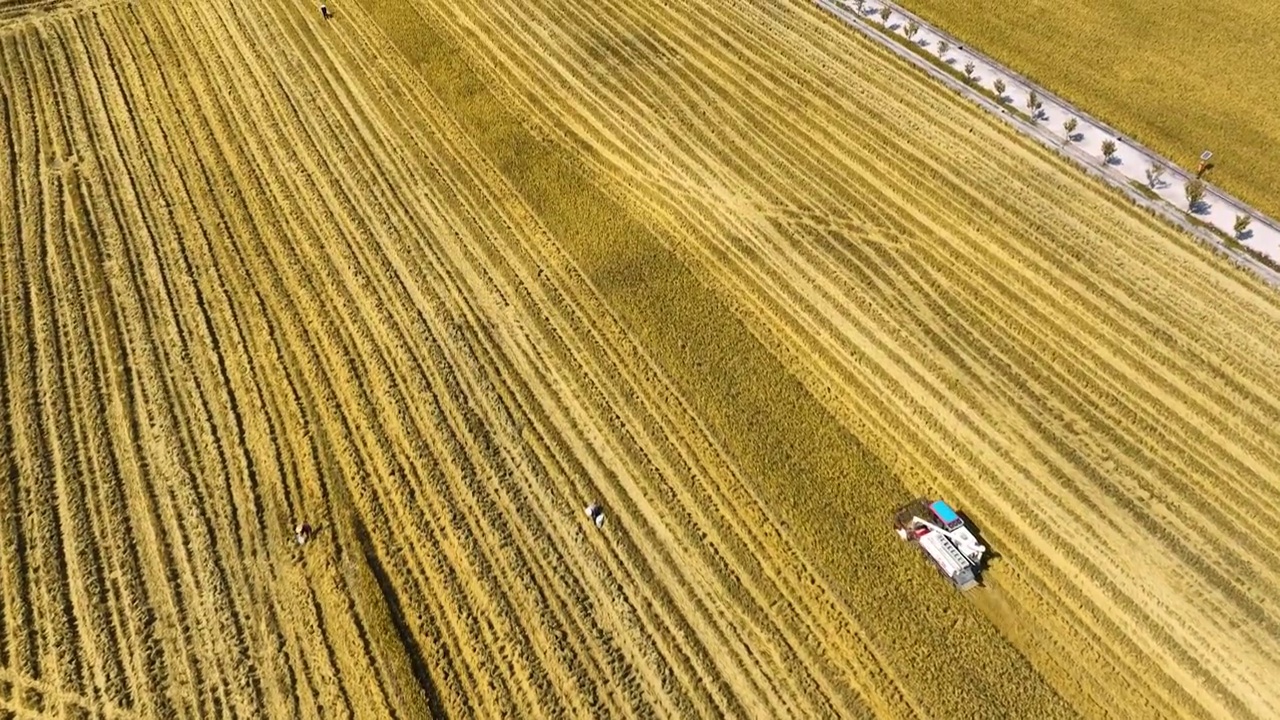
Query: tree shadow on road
(1200, 208)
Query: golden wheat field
(433, 275)
(1180, 76)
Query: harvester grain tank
(943, 537)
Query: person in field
(324, 11)
(302, 533)
(596, 513)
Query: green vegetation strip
(835, 497)
(1146, 190)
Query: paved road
(1130, 161)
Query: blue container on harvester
(945, 515)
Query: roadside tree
(1153, 174)
(1034, 104)
(1242, 224)
(1195, 194)
(1070, 126)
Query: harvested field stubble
(1098, 389)
(803, 464)
(254, 272)
(433, 275)
(1179, 76)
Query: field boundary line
(1257, 250)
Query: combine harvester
(942, 536)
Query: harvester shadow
(989, 556)
(395, 609)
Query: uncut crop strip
(1140, 371)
